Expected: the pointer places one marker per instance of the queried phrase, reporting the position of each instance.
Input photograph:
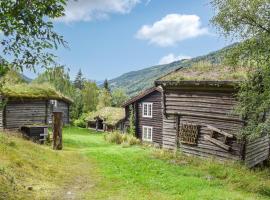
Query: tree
(248, 21)
(90, 94)
(13, 77)
(106, 85)
(118, 97)
(59, 78)
(76, 109)
(28, 35)
(104, 99)
(79, 80)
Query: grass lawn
(90, 168)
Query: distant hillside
(136, 81)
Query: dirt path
(80, 184)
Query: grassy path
(145, 173)
(90, 168)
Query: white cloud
(171, 29)
(171, 58)
(87, 10)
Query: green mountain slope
(136, 81)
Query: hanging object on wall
(188, 133)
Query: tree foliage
(90, 94)
(106, 85)
(28, 34)
(104, 99)
(79, 80)
(118, 97)
(12, 77)
(248, 21)
(59, 78)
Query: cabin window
(147, 133)
(147, 109)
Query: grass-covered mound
(32, 171)
(110, 115)
(205, 71)
(32, 91)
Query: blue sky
(110, 37)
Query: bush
(114, 137)
(124, 139)
(81, 122)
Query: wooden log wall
(18, 113)
(155, 121)
(202, 108)
(257, 151)
(1, 119)
(169, 132)
(61, 107)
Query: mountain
(136, 81)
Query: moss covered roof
(33, 91)
(110, 115)
(207, 72)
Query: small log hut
(107, 119)
(198, 115)
(28, 105)
(147, 112)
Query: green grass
(100, 170)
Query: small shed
(106, 119)
(30, 104)
(198, 106)
(148, 117)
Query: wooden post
(57, 130)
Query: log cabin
(147, 110)
(29, 104)
(106, 119)
(198, 117)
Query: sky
(110, 37)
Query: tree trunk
(57, 130)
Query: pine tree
(106, 85)
(78, 82)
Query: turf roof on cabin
(110, 115)
(206, 73)
(33, 91)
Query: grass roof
(204, 71)
(33, 91)
(110, 115)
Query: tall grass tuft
(124, 139)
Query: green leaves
(248, 20)
(28, 32)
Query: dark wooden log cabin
(199, 119)
(147, 110)
(31, 105)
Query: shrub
(81, 122)
(124, 139)
(114, 137)
(133, 140)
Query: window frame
(147, 110)
(147, 134)
(54, 103)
